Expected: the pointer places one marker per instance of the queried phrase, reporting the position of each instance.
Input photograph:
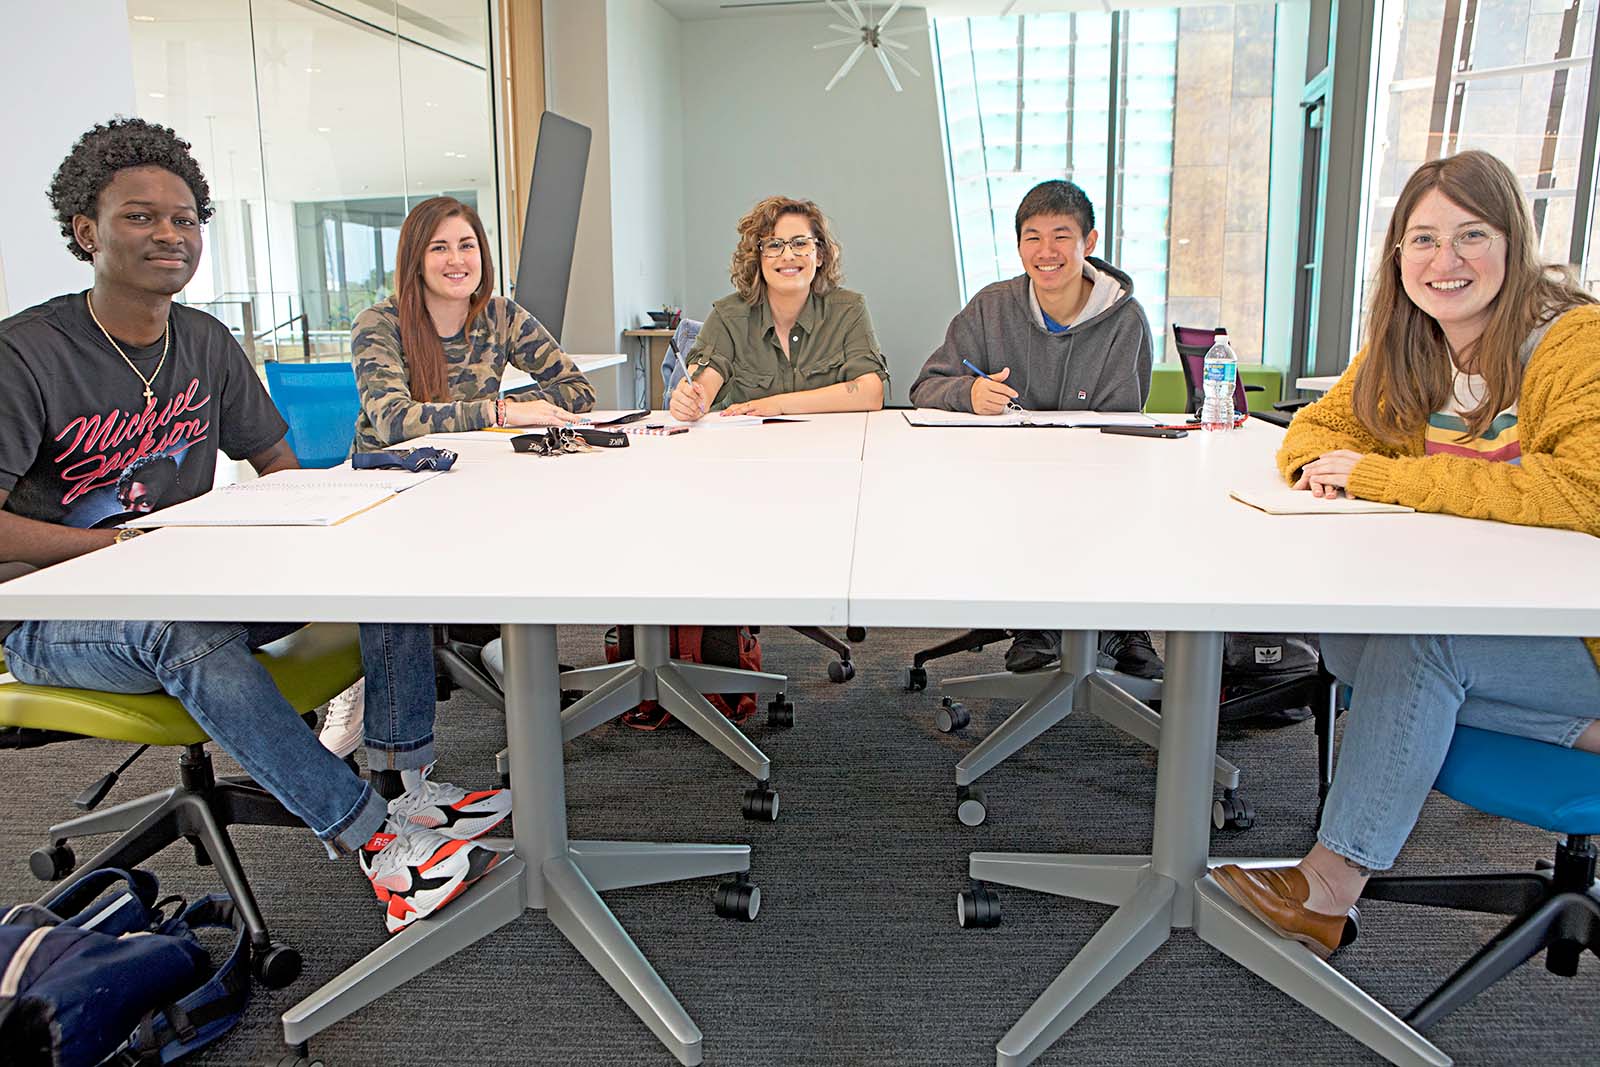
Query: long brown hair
(419, 338)
(758, 224)
(1408, 373)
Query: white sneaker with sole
(343, 727)
(420, 871)
(449, 810)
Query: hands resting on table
(1329, 475)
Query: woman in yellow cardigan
(1477, 394)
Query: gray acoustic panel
(550, 229)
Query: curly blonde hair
(758, 224)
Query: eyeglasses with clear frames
(1471, 243)
(772, 247)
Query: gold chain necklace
(166, 346)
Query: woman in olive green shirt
(789, 341)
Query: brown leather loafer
(1277, 896)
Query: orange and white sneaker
(449, 809)
(417, 872)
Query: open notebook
(1276, 498)
(938, 417)
(305, 497)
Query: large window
(318, 125)
(1510, 77)
(1162, 115)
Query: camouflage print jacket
(474, 363)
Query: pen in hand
(1011, 402)
(683, 369)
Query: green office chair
(309, 666)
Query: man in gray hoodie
(1066, 334)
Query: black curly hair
(108, 148)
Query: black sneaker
(1131, 653)
(1032, 650)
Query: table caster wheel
(53, 862)
(916, 679)
(277, 967)
(855, 634)
(951, 716)
(841, 670)
(1232, 812)
(297, 1056)
(969, 805)
(780, 712)
(761, 803)
(738, 899)
(978, 908)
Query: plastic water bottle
(1221, 372)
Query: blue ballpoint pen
(1011, 405)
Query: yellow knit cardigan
(1558, 421)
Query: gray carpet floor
(856, 957)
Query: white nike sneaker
(417, 872)
(449, 810)
(343, 727)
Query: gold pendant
(148, 395)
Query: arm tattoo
(852, 387)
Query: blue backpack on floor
(92, 977)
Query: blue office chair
(1557, 907)
(320, 403)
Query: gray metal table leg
(545, 874)
(695, 712)
(1174, 891)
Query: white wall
(645, 89)
(757, 123)
(64, 66)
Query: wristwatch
(125, 534)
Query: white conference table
(392, 564)
(1093, 544)
(1086, 511)
(1319, 384)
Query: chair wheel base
(1233, 812)
(970, 805)
(841, 670)
(761, 803)
(916, 679)
(738, 899)
(951, 716)
(780, 712)
(52, 863)
(277, 967)
(978, 908)
(855, 634)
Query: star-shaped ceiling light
(867, 32)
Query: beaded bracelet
(500, 412)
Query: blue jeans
(1408, 694)
(208, 667)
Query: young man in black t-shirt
(114, 402)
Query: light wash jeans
(208, 667)
(1408, 694)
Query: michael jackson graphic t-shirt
(79, 444)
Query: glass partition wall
(1162, 114)
(318, 125)
(1510, 77)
